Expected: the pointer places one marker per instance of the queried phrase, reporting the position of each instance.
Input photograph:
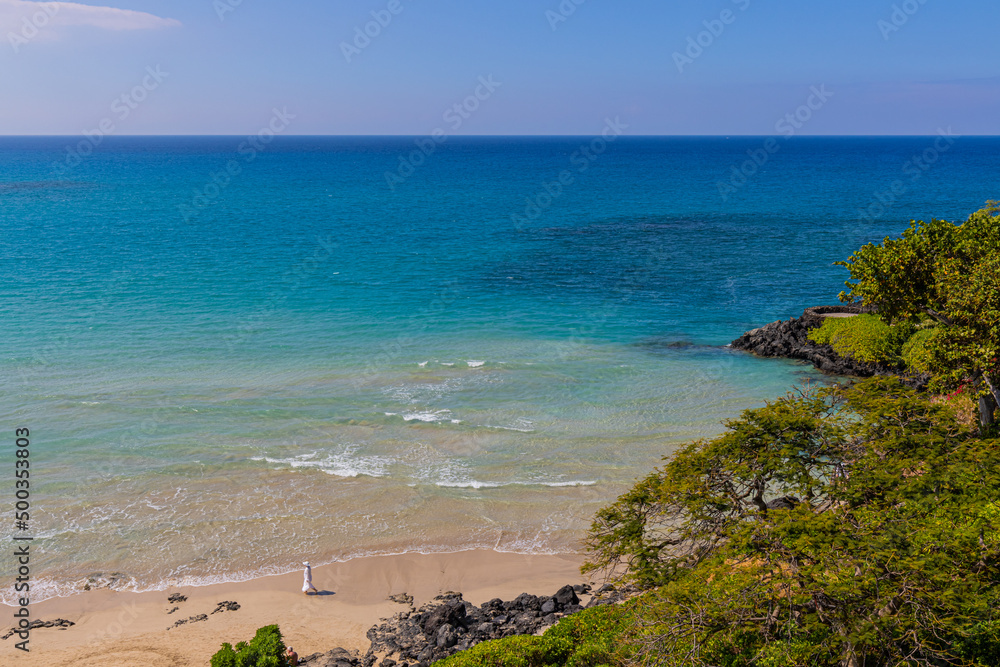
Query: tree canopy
(843, 526)
(951, 274)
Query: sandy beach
(116, 628)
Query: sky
(494, 67)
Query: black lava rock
(34, 625)
(449, 624)
(338, 657)
(565, 597)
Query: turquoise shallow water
(317, 364)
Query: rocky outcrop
(448, 624)
(789, 339)
(338, 657)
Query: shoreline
(116, 627)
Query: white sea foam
(469, 485)
(475, 364)
(422, 364)
(475, 484)
(511, 428)
(427, 416)
(342, 464)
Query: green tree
(266, 649)
(950, 273)
(840, 527)
(682, 513)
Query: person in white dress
(307, 582)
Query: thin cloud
(14, 13)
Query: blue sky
(553, 66)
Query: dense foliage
(950, 273)
(846, 526)
(916, 352)
(864, 337)
(266, 649)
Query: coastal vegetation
(946, 277)
(843, 526)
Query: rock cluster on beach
(228, 605)
(61, 623)
(220, 607)
(448, 624)
(789, 339)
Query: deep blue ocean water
(231, 354)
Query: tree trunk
(987, 408)
(850, 656)
(994, 390)
(988, 402)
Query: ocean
(234, 354)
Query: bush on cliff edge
(864, 338)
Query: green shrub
(981, 645)
(864, 338)
(266, 649)
(916, 354)
(594, 637)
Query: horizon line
(500, 136)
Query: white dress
(307, 583)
